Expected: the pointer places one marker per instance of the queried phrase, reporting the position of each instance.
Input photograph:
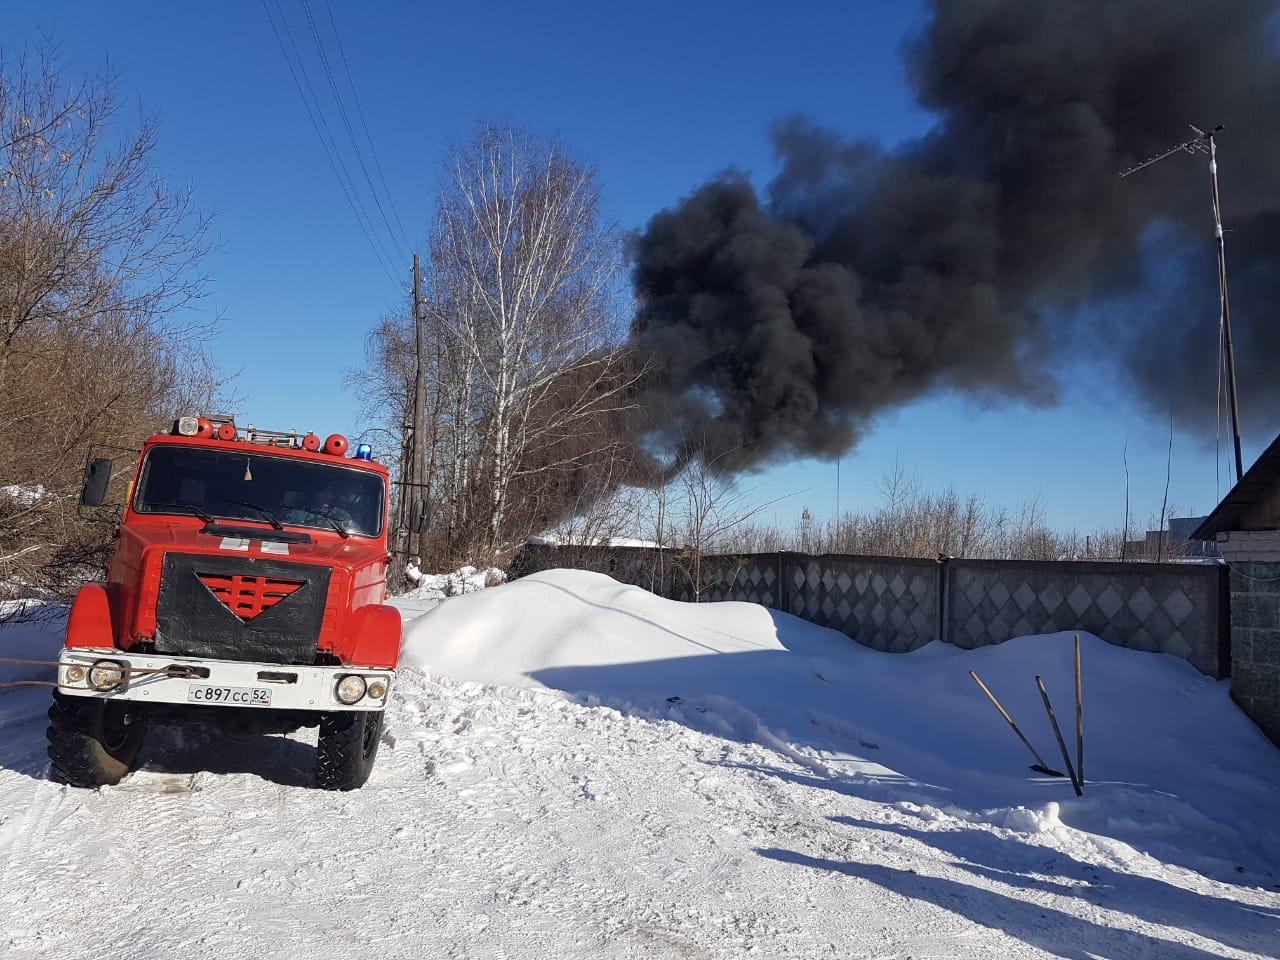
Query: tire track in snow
(18, 882)
(508, 823)
(570, 790)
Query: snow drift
(509, 817)
(1173, 767)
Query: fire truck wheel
(92, 743)
(346, 748)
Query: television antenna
(1206, 142)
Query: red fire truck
(245, 590)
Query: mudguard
(90, 622)
(372, 637)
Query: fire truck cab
(245, 590)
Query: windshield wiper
(329, 518)
(270, 517)
(189, 508)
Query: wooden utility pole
(1206, 142)
(1229, 359)
(414, 488)
(400, 541)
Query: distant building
(1246, 525)
(1178, 542)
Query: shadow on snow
(1028, 866)
(913, 727)
(1054, 931)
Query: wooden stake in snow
(1057, 732)
(1040, 766)
(1079, 717)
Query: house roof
(1256, 481)
(1184, 527)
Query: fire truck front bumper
(120, 675)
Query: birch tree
(530, 387)
(521, 272)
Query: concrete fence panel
(751, 578)
(899, 604)
(1172, 608)
(888, 603)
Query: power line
(364, 123)
(333, 141)
(346, 121)
(334, 163)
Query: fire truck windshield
(239, 485)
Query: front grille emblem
(247, 596)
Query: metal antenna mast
(1204, 142)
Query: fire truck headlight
(75, 673)
(106, 675)
(350, 689)
(377, 689)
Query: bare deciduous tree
(912, 522)
(88, 231)
(521, 272)
(97, 255)
(699, 513)
(527, 377)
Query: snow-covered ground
(430, 588)
(567, 540)
(573, 768)
(24, 495)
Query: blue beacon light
(364, 452)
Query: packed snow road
(572, 768)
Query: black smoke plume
(986, 255)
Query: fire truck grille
(240, 608)
(247, 596)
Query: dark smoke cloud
(967, 259)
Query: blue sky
(658, 95)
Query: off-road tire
(92, 742)
(346, 748)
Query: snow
(24, 495)
(538, 795)
(431, 588)
(558, 540)
(912, 726)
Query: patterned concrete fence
(1177, 608)
(899, 604)
(889, 603)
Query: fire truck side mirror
(419, 517)
(97, 474)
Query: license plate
(229, 696)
